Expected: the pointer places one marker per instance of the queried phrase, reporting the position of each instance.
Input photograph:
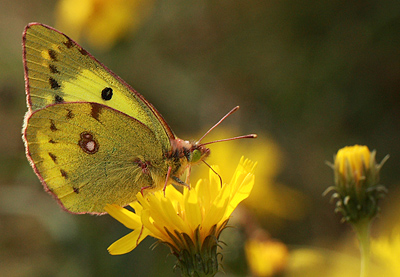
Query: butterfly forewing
(58, 70)
(88, 155)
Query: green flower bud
(357, 188)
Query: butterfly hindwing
(58, 70)
(88, 155)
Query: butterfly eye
(196, 155)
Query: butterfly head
(193, 153)
(198, 153)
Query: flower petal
(126, 217)
(128, 242)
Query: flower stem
(362, 229)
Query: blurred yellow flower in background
(191, 222)
(385, 250)
(314, 261)
(266, 257)
(269, 197)
(100, 22)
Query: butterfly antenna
(212, 169)
(228, 139)
(219, 122)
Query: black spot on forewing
(70, 114)
(53, 83)
(53, 157)
(53, 54)
(64, 173)
(96, 111)
(53, 127)
(58, 99)
(53, 69)
(76, 190)
(52, 141)
(107, 93)
(68, 43)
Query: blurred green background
(311, 76)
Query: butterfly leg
(180, 182)
(166, 179)
(141, 232)
(189, 170)
(176, 179)
(143, 188)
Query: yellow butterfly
(92, 139)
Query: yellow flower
(386, 250)
(353, 162)
(357, 188)
(266, 257)
(188, 222)
(357, 192)
(101, 22)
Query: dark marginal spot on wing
(106, 93)
(96, 111)
(53, 83)
(68, 43)
(53, 69)
(87, 143)
(53, 54)
(70, 114)
(76, 190)
(83, 51)
(53, 127)
(53, 157)
(63, 173)
(58, 99)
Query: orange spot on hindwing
(87, 143)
